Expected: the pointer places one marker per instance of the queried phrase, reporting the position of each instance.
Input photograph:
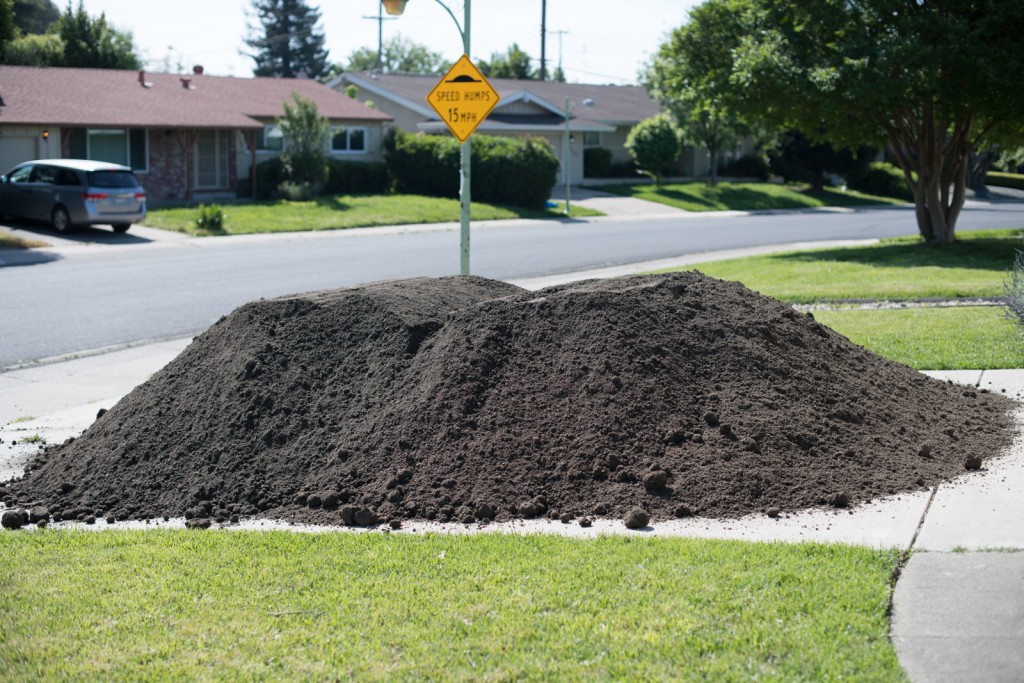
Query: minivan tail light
(94, 195)
(140, 195)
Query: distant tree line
(36, 33)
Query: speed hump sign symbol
(463, 98)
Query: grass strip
(177, 605)
(895, 269)
(699, 196)
(341, 212)
(956, 338)
(9, 241)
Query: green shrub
(597, 162)
(624, 169)
(422, 164)
(517, 171)
(210, 219)
(747, 166)
(1014, 180)
(1013, 292)
(655, 145)
(356, 177)
(269, 176)
(298, 192)
(881, 179)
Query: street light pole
(567, 147)
(396, 7)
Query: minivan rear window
(112, 179)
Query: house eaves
(369, 84)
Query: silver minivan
(70, 192)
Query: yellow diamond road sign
(463, 98)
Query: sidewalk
(958, 606)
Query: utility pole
(380, 19)
(543, 40)
(560, 34)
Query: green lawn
(895, 269)
(178, 605)
(339, 212)
(699, 196)
(901, 269)
(963, 338)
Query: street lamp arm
(459, 26)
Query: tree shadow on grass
(333, 202)
(995, 254)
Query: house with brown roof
(597, 115)
(191, 136)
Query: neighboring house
(187, 136)
(535, 108)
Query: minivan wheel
(60, 219)
(121, 227)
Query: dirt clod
(428, 398)
(972, 463)
(637, 518)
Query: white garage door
(16, 149)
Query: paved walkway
(958, 607)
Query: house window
(591, 138)
(211, 160)
(125, 146)
(273, 138)
(348, 139)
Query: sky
(604, 41)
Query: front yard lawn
(895, 269)
(343, 211)
(699, 196)
(246, 606)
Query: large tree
(691, 76)
(89, 42)
(514, 63)
(399, 55)
(7, 29)
(288, 40)
(35, 16)
(932, 79)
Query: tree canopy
(654, 145)
(691, 77)
(75, 39)
(7, 29)
(35, 16)
(399, 55)
(288, 40)
(92, 43)
(929, 79)
(514, 63)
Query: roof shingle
(103, 97)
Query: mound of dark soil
(466, 399)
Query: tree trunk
(934, 156)
(714, 167)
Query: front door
(211, 161)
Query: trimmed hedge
(517, 171)
(881, 179)
(357, 177)
(344, 177)
(747, 166)
(597, 162)
(996, 179)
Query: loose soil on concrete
(464, 399)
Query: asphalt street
(101, 290)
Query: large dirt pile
(463, 398)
